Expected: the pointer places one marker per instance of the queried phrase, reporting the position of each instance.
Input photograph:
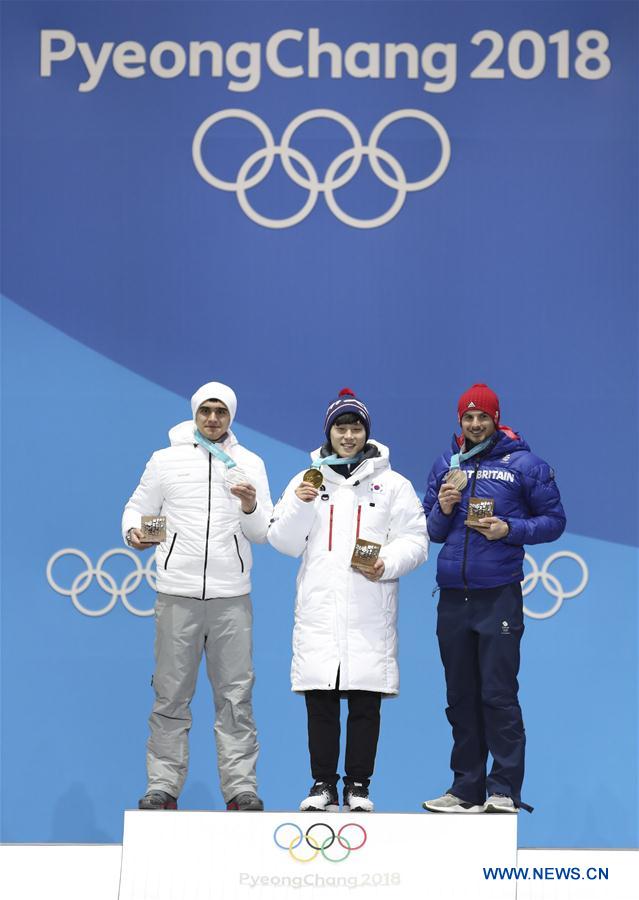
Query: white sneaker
(356, 798)
(499, 803)
(448, 803)
(322, 797)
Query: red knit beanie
(479, 396)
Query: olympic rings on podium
(316, 845)
(353, 825)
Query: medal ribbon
(458, 458)
(335, 460)
(213, 449)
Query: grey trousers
(185, 628)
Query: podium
(238, 856)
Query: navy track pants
(479, 633)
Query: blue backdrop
(139, 262)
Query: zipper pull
(436, 590)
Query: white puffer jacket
(207, 552)
(342, 620)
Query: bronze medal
(457, 478)
(314, 477)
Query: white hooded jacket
(343, 621)
(207, 551)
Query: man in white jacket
(345, 633)
(215, 496)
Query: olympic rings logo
(319, 844)
(310, 180)
(551, 583)
(133, 580)
(105, 580)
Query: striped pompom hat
(346, 402)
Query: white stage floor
(276, 856)
(196, 856)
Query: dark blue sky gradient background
(518, 267)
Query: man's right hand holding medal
(306, 492)
(134, 538)
(448, 498)
(308, 489)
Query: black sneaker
(322, 797)
(356, 798)
(247, 801)
(157, 800)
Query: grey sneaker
(448, 803)
(157, 800)
(322, 797)
(247, 801)
(499, 803)
(356, 798)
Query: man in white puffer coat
(345, 633)
(215, 496)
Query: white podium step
(206, 855)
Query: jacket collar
(369, 466)
(183, 434)
(505, 440)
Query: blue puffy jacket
(526, 496)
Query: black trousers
(479, 633)
(362, 732)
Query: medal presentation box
(206, 855)
(153, 529)
(365, 555)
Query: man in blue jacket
(480, 611)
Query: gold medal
(457, 478)
(314, 477)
